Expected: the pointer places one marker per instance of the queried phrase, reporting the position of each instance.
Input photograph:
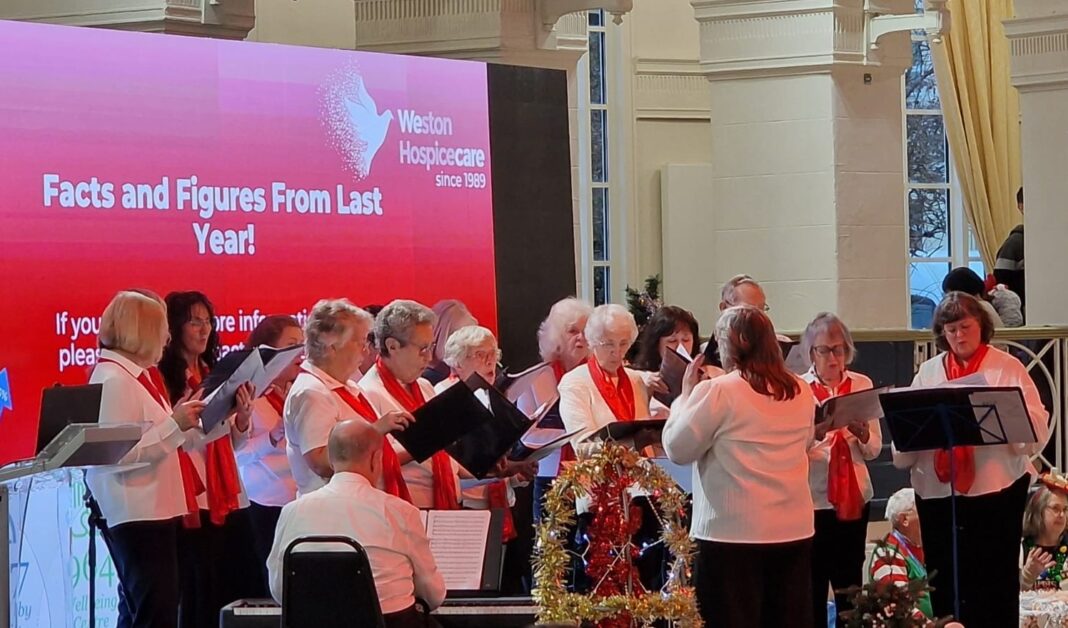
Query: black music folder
(672, 372)
(862, 405)
(922, 419)
(621, 430)
(259, 365)
(475, 433)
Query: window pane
(919, 6)
(601, 282)
(925, 286)
(921, 91)
(977, 266)
(597, 17)
(598, 145)
(926, 149)
(973, 244)
(600, 224)
(597, 67)
(928, 223)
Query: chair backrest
(329, 588)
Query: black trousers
(216, 568)
(754, 585)
(838, 559)
(145, 555)
(988, 542)
(411, 617)
(264, 520)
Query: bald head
(352, 447)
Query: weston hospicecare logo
(5, 392)
(353, 123)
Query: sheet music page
(860, 406)
(458, 543)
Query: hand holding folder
(259, 366)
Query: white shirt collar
(330, 382)
(349, 479)
(123, 361)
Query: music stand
(77, 445)
(931, 419)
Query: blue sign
(5, 392)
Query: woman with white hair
(604, 391)
(899, 559)
(451, 316)
(323, 395)
(142, 506)
(563, 346)
(837, 473)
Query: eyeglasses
(826, 350)
(1057, 510)
(483, 355)
(199, 323)
(609, 346)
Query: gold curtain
(981, 111)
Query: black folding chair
(329, 589)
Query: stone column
(805, 189)
(1039, 39)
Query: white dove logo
(356, 127)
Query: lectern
(77, 445)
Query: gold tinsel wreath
(675, 602)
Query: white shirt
(583, 408)
(751, 476)
(996, 466)
(819, 456)
(312, 409)
(152, 492)
(387, 527)
(418, 476)
(264, 466)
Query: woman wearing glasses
(991, 482)
(1045, 544)
(404, 333)
(837, 473)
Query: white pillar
(1039, 39)
(805, 189)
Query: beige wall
(323, 23)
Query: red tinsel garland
(610, 534)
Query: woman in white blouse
(142, 505)
(261, 459)
(991, 481)
(748, 432)
(838, 474)
(603, 391)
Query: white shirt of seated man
(387, 527)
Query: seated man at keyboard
(388, 527)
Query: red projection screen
(265, 176)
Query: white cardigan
(996, 466)
(752, 460)
(584, 409)
(819, 456)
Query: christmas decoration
(643, 305)
(889, 605)
(617, 598)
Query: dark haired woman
(991, 482)
(215, 547)
(748, 432)
(262, 458)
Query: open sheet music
(458, 540)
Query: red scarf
(964, 456)
(220, 465)
(843, 488)
(277, 401)
(411, 398)
(152, 382)
(392, 478)
(620, 398)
